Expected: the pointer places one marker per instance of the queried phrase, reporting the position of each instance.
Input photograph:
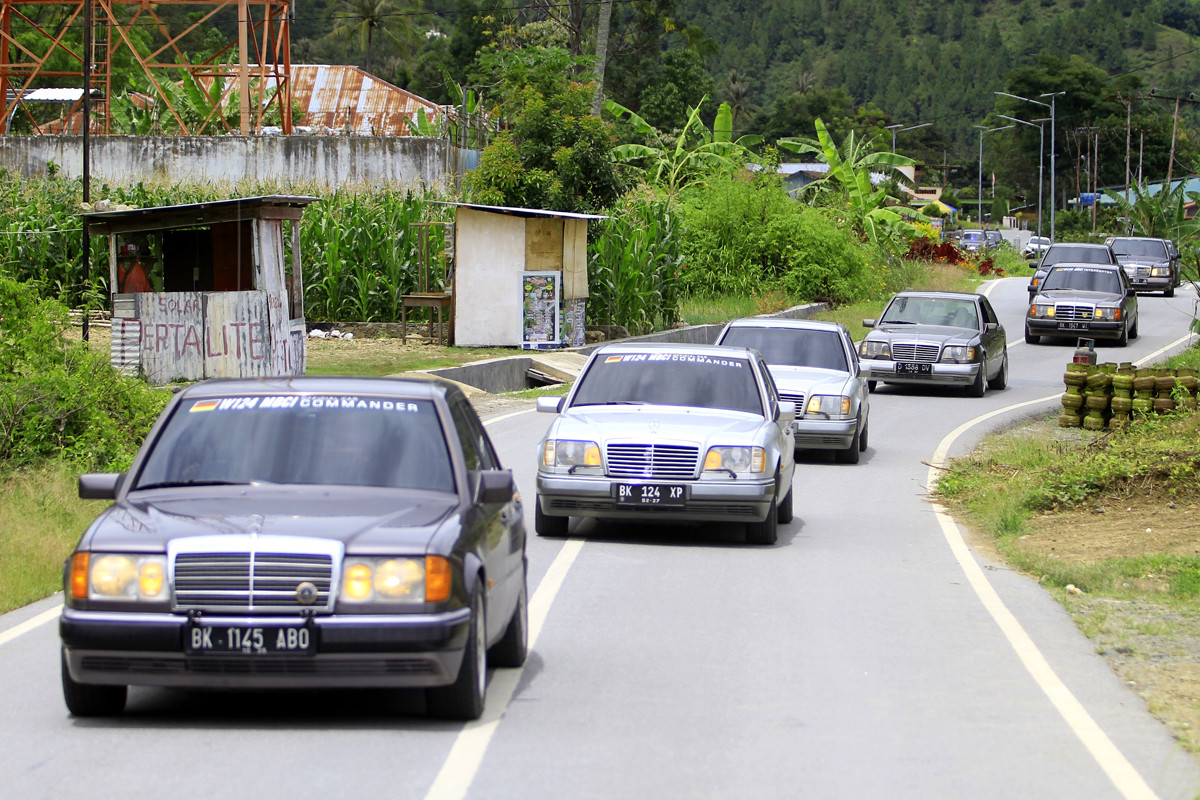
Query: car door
(784, 437)
(993, 338)
(1129, 305)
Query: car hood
(362, 519)
(1141, 261)
(1077, 296)
(809, 380)
(925, 333)
(642, 423)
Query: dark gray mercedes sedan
(301, 533)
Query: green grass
(376, 358)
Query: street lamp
(1050, 106)
(982, 131)
(902, 129)
(1041, 159)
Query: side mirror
(494, 486)
(550, 405)
(786, 412)
(100, 485)
(869, 323)
(990, 326)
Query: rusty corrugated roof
(341, 99)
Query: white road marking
(29, 624)
(466, 755)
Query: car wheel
(88, 700)
(862, 438)
(850, 454)
(463, 699)
(513, 646)
(784, 513)
(1170, 292)
(871, 385)
(1123, 339)
(979, 387)
(546, 525)
(767, 531)
(1030, 338)
(1133, 332)
(1001, 379)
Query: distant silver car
(936, 339)
(1035, 247)
(815, 366)
(671, 432)
(1151, 264)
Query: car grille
(794, 397)
(914, 352)
(250, 581)
(652, 460)
(1077, 313)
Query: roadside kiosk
(206, 290)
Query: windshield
(955, 312)
(670, 379)
(1086, 255)
(973, 236)
(792, 347)
(1083, 279)
(1140, 247)
(301, 439)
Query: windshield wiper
(896, 322)
(177, 484)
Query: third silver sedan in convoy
(938, 339)
(816, 367)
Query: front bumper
(941, 374)
(1147, 284)
(1095, 329)
(705, 501)
(350, 651)
(824, 434)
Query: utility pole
(1190, 98)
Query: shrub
(634, 265)
(57, 398)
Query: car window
(477, 449)
(989, 314)
(950, 311)
(673, 379)
(345, 440)
(793, 347)
(1083, 279)
(1084, 255)
(972, 236)
(1140, 247)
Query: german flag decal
(203, 405)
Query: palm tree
(739, 96)
(364, 18)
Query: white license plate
(248, 640)
(651, 494)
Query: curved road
(870, 653)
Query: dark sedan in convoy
(936, 339)
(1072, 252)
(301, 533)
(814, 365)
(1151, 264)
(669, 432)
(1092, 301)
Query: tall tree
(365, 19)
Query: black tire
(546, 525)
(767, 531)
(783, 514)
(1001, 379)
(851, 454)
(1123, 339)
(1133, 332)
(1030, 338)
(88, 700)
(463, 699)
(513, 646)
(871, 385)
(862, 438)
(1170, 292)
(979, 387)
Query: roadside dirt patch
(1116, 528)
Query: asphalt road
(870, 653)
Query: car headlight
(395, 580)
(874, 349)
(118, 576)
(735, 459)
(1108, 312)
(574, 455)
(1160, 272)
(1041, 311)
(958, 354)
(828, 405)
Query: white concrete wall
(324, 160)
(490, 259)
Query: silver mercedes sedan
(814, 365)
(669, 432)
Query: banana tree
(1157, 214)
(692, 158)
(850, 169)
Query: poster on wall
(540, 320)
(573, 322)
